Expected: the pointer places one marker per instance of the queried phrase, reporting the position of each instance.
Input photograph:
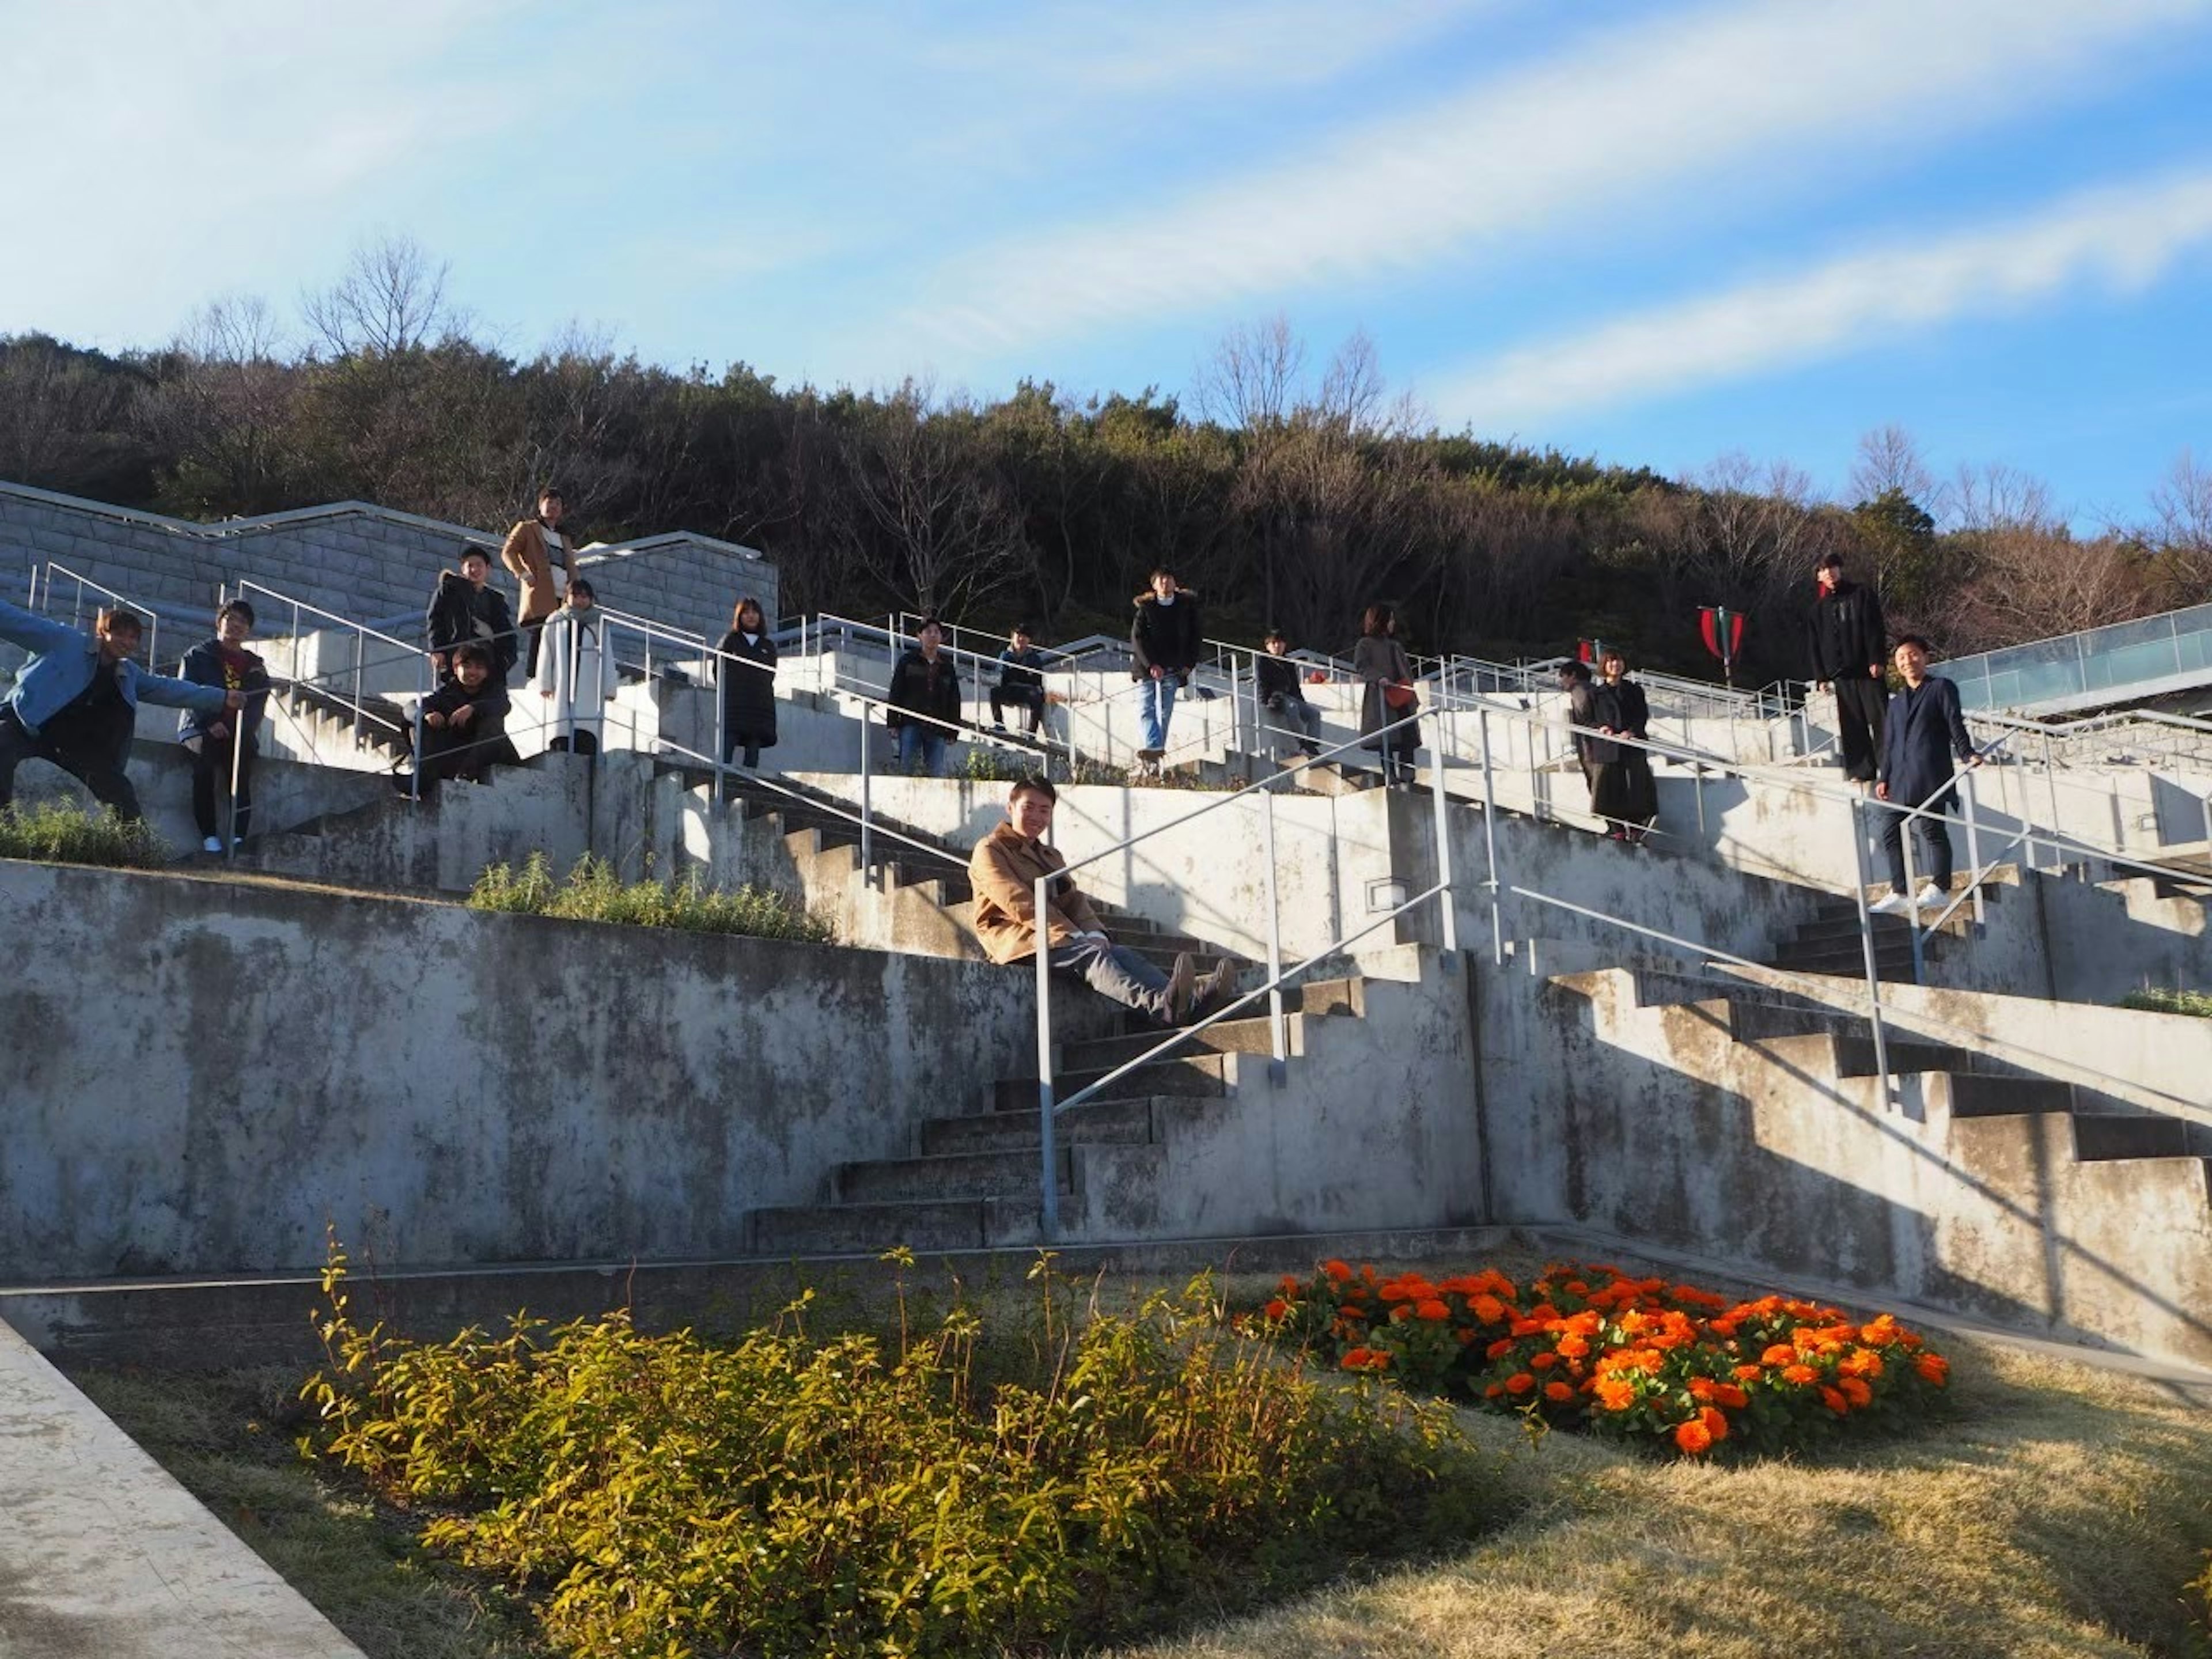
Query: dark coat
(1623, 707)
(1924, 731)
(917, 693)
(748, 694)
(1845, 635)
(204, 666)
(1021, 671)
(460, 611)
(1376, 661)
(490, 700)
(1278, 680)
(1582, 710)
(1165, 636)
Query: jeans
(922, 742)
(100, 771)
(1154, 704)
(1019, 696)
(1116, 972)
(1935, 837)
(212, 778)
(1295, 715)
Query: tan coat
(523, 554)
(1004, 871)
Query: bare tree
(391, 299)
(2182, 536)
(1996, 496)
(1888, 459)
(225, 403)
(1252, 381)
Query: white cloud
(2123, 239)
(1707, 98)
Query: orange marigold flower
(1749, 1373)
(1500, 1348)
(1614, 1394)
(1464, 1335)
(1714, 1422)
(1561, 1392)
(1856, 1390)
(1732, 1397)
(1276, 1309)
(1800, 1374)
(1694, 1438)
(1490, 1310)
(1287, 1285)
(1780, 1354)
(1861, 1361)
(1544, 1362)
(1572, 1347)
(1834, 1401)
(1519, 1382)
(1336, 1270)
(1433, 1311)
(1701, 1389)
(1493, 1391)
(1357, 1358)
(1934, 1368)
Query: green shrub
(593, 892)
(61, 832)
(853, 1494)
(2157, 999)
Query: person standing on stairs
(1281, 695)
(1622, 790)
(925, 700)
(466, 608)
(1844, 648)
(1021, 681)
(1920, 732)
(1164, 640)
(215, 740)
(74, 703)
(1582, 712)
(1005, 869)
(575, 672)
(533, 552)
(1380, 665)
(748, 672)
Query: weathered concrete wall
(203, 1073)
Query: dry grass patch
(2058, 1510)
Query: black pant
(1860, 706)
(741, 740)
(100, 767)
(536, 633)
(211, 772)
(1031, 697)
(1935, 837)
(583, 743)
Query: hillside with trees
(1285, 489)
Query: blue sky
(1651, 233)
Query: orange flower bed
(1584, 1345)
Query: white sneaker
(212, 844)
(1894, 905)
(1933, 897)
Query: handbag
(1400, 699)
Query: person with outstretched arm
(74, 703)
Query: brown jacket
(523, 554)
(1004, 870)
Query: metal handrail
(54, 568)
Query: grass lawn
(2057, 1510)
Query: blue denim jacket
(63, 662)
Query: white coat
(576, 666)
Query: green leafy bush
(61, 832)
(2157, 999)
(953, 1488)
(593, 892)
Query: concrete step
(1987, 1094)
(1249, 1036)
(1009, 1173)
(962, 1223)
(1120, 1122)
(1855, 1057)
(1844, 929)
(1890, 959)
(1190, 1075)
(2098, 1136)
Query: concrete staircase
(1831, 942)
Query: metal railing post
(867, 814)
(1490, 839)
(722, 723)
(359, 667)
(1867, 947)
(1048, 1160)
(1973, 846)
(1907, 827)
(229, 819)
(1277, 1028)
(1449, 899)
(2051, 781)
(421, 697)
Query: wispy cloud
(2122, 239)
(1706, 98)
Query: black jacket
(1845, 635)
(1021, 670)
(749, 694)
(489, 701)
(920, 693)
(1922, 731)
(1165, 636)
(204, 666)
(1623, 708)
(1278, 679)
(459, 612)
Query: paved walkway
(103, 1556)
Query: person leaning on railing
(1622, 789)
(1923, 730)
(576, 672)
(1281, 696)
(210, 739)
(75, 704)
(1005, 870)
(924, 695)
(1379, 662)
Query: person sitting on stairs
(1004, 871)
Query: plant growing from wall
(61, 832)
(593, 892)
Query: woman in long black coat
(1622, 791)
(748, 692)
(1379, 662)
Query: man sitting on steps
(1004, 870)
